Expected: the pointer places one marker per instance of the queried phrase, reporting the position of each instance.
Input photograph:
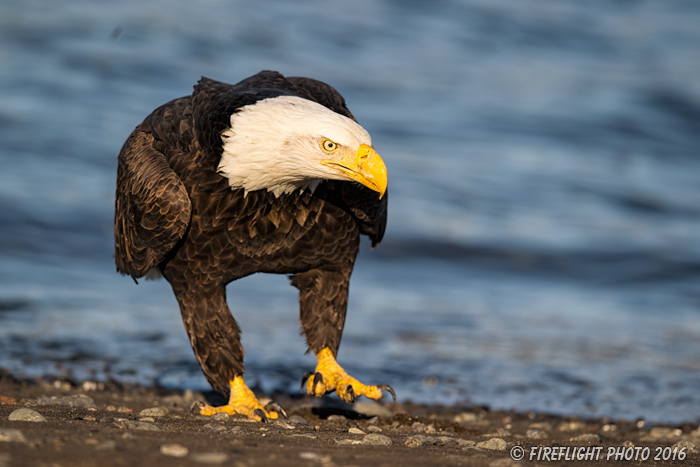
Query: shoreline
(59, 423)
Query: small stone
(147, 419)
(153, 412)
(588, 438)
(215, 427)
(684, 444)
(466, 443)
(546, 426)
(141, 426)
(534, 433)
(493, 444)
(628, 444)
(375, 439)
(78, 400)
(419, 427)
(371, 409)
(6, 400)
(416, 441)
(448, 439)
(174, 450)
(465, 417)
(11, 435)
(347, 441)
(26, 415)
(499, 433)
(236, 430)
(285, 424)
(356, 431)
(299, 420)
(221, 416)
(209, 457)
(336, 418)
(90, 386)
(374, 429)
(574, 425)
(304, 435)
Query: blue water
(543, 247)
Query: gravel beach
(64, 423)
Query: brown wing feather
(152, 207)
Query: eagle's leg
(323, 300)
(215, 339)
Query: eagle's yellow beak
(365, 167)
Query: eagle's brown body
(174, 212)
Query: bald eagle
(272, 175)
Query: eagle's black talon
(261, 413)
(350, 391)
(196, 407)
(270, 406)
(303, 380)
(318, 379)
(386, 387)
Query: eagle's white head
(288, 143)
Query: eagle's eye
(329, 146)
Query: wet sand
(64, 423)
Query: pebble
(6, 400)
(174, 450)
(209, 457)
(153, 412)
(534, 433)
(221, 416)
(662, 432)
(466, 443)
(374, 429)
(26, 415)
(499, 433)
(347, 441)
(298, 419)
(574, 425)
(78, 400)
(375, 439)
(336, 418)
(416, 441)
(465, 417)
(688, 445)
(589, 438)
(11, 435)
(141, 426)
(285, 425)
(356, 431)
(371, 409)
(493, 444)
(305, 435)
(216, 427)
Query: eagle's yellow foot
(329, 376)
(242, 401)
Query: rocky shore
(62, 423)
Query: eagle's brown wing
(152, 207)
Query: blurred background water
(543, 247)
